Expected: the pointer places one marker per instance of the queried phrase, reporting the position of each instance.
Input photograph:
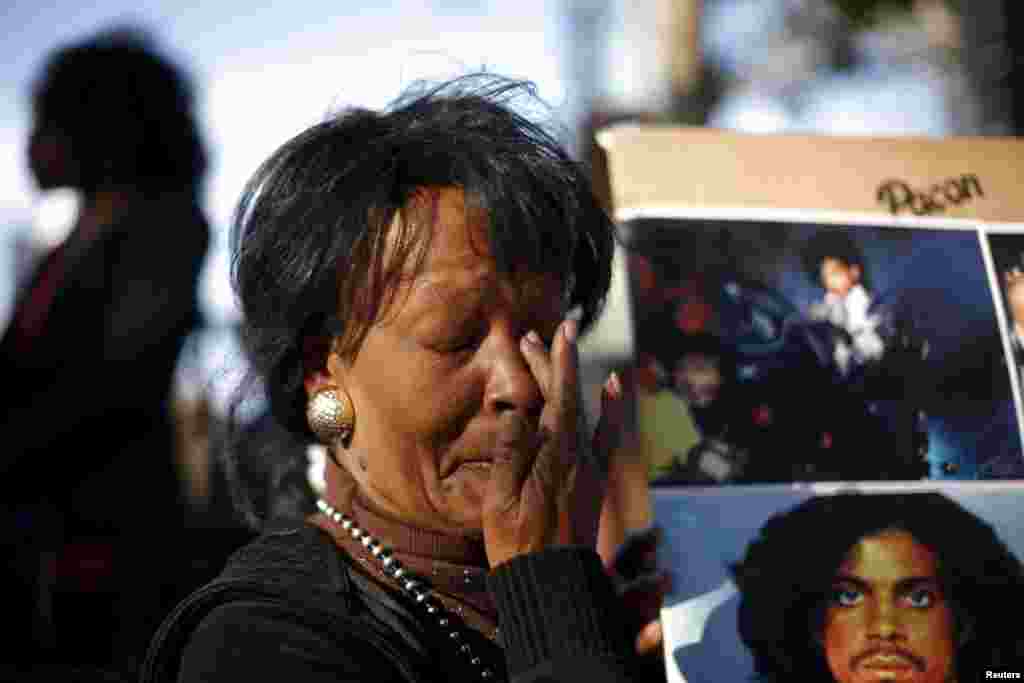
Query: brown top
(454, 566)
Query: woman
(407, 280)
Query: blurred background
(263, 73)
(928, 67)
(833, 66)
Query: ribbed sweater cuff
(557, 603)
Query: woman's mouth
(473, 466)
(483, 465)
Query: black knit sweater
(292, 606)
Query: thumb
(509, 471)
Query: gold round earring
(330, 415)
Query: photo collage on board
(830, 411)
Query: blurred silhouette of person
(88, 467)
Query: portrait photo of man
(858, 588)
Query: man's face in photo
(838, 277)
(887, 618)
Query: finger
(557, 429)
(650, 638)
(566, 526)
(539, 361)
(563, 418)
(555, 467)
(610, 426)
(565, 381)
(510, 468)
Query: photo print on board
(771, 351)
(1006, 251)
(891, 581)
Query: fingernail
(616, 383)
(612, 389)
(533, 337)
(569, 330)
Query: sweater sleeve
(257, 641)
(557, 610)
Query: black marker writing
(901, 197)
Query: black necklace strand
(417, 589)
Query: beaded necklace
(415, 587)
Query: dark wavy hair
(832, 243)
(787, 572)
(330, 221)
(126, 111)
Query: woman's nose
(512, 386)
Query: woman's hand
(527, 499)
(641, 586)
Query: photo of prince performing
(771, 352)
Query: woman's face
(439, 383)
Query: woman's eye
(921, 598)
(460, 344)
(463, 345)
(846, 597)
